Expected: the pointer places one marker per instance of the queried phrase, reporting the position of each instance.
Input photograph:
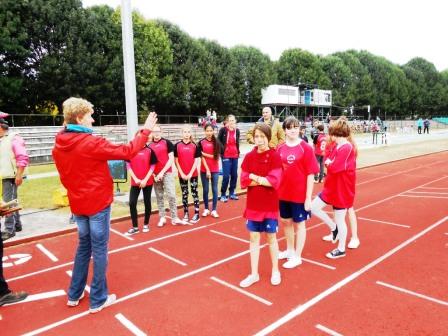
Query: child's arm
(309, 191)
(136, 180)
(195, 166)
(207, 169)
(181, 173)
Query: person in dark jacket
(81, 160)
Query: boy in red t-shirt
(319, 141)
(261, 172)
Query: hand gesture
(150, 121)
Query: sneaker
(234, 197)
(205, 213)
(161, 222)
(18, 227)
(249, 281)
(293, 262)
(178, 221)
(215, 214)
(276, 278)
(315, 181)
(145, 228)
(131, 231)
(328, 237)
(354, 243)
(286, 254)
(7, 235)
(13, 297)
(334, 235)
(223, 199)
(186, 218)
(335, 254)
(195, 218)
(74, 303)
(110, 300)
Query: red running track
(394, 284)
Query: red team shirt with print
(298, 162)
(231, 151)
(141, 163)
(186, 154)
(339, 185)
(207, 147)
(319, 147)
(162, 148)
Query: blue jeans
(205, 183)
(93, 232)
(229, 172)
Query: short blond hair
(74, 108)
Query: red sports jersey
(231, 151)
(319, 147)
(298, 162)
(141, 163)
(162, 148)
(329, 148)
(207, 147)
(262, 202)
(339, 185)
(186, 154)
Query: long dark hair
(216, 148)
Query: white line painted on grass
(129, 325)
(242, 291)
(47, 253)
(230, 236)
(315, 300)
(70, 274)
(384, 222)
(327, 330)
(41, 296)
(167, 256)
(319, 264)
(407, 291)
(121, 234)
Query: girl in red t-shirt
(187, 157)
(261, 172)
(339, 185)
(210, 149)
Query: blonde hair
(74, 108)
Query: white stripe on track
(327, 330)
(47, 253)
(167, 256)
(407, 291)
(384, 222)
(319, 264)
(70, 274)
(230, 236)
(121, 234)
(129, 325)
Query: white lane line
(446, 233)
(315, 300)
(167, 256)
(384, 222)
(428, 192)
(129, 325)
(242, 291)
(121, 234)
(319, 264)
(230, 236)
(47, 253)
(327, 330)
(407, 291)
(125, 248)
(435, 188)
(422, 196)
(70, 274)
(41, 296)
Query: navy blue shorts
(268, 225)
(293, 210)
(334, 208)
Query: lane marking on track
(129, 325)
(423, 196)
(407, 291)
(384, 222)
(428, 192)
(229, 236)
(319, 264)
(435, 188)
(327, 330)
(315, 300)
(70, 274)
(47, 253)
(121, 234)
(167, 256)
(41, 296)
(242, 291)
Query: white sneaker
(286, 254)
(161, 222)
(250, 280)
(328, 237)
(354, 243)
(205, 213)
(276, 278)
(178, 221)
(110, 300)
(74, 303)
(215, 214)
(145, 228)
(293, 262)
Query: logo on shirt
(291, 158)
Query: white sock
(339, 216)
(316, 209)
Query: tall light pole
(129, 68)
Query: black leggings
(133, 198)
(194, 193)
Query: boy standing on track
(261, 173)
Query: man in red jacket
(81, 159)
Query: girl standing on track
(141, 167)
(319, 141)
(187, 156)
(261, 172)
(339, 185)
(210, 149)
(163, 176)
(295, 191)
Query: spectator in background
(302, 133)
(419, 125)
(13, 161)
(277, 133)
(426, 126)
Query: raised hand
(150, 121)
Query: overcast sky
(396, 29)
